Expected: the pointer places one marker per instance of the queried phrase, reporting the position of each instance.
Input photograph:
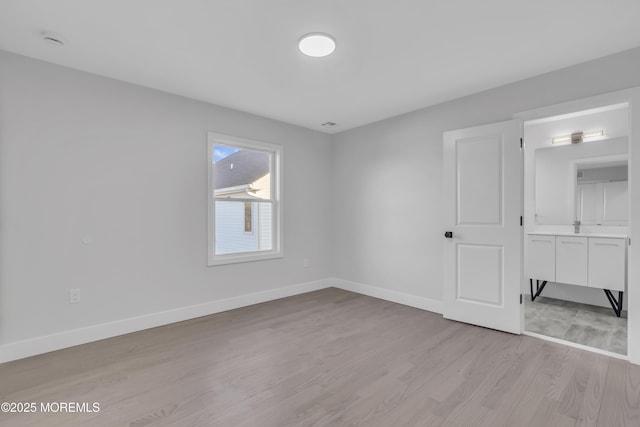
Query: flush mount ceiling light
(577, 137)
(317, 45)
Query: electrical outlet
(74, 296)
(305, 263)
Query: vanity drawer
(571, 260)
(607, 263)
(541, 257)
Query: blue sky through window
(222, 151)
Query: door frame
(631, 97)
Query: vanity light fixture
(317, 45)
(577, 137)
(593, 134)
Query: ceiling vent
(53, 39)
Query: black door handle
(448, 234)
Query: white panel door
(482, 184)
(588, 200)
(616, 202)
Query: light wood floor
(327, 358)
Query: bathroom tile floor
(580, 323)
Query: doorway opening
(576, 228)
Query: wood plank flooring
(326, 358)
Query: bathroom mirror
(602, 192)
(582, 181)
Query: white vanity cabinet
(607, 263)
(571, 260)
(541, 259)
(594, 261)
(583, 260)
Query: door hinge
(521, 223)
(521, 143)
(520, 298)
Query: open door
(482, 242)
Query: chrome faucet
(576, 226)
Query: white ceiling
(393, 56)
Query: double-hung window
(245, 195)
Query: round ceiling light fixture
(317, 45)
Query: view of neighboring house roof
(240, 168)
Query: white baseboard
(47, 343)
(432, 305)
(44, 344)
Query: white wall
(126, 167)
(85, 156)
(387, 175)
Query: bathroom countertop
(569, 234)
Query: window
(244, 194)
(248, 217)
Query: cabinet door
(541, 257)
(571, 260)
(607, 263)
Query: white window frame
(275, 150)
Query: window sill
(238, 258)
